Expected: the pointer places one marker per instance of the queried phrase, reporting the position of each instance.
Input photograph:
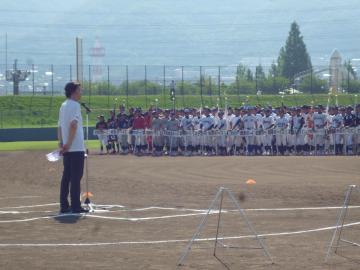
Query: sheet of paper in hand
(54, 156)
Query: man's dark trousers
(72, 174)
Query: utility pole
(172, 93)
(6, 59)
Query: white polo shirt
(70, 110)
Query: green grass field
(36, 145)
(41, 111)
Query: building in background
(97, 54)
(338, 73)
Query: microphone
(86, 107)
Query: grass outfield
(36, 145)
(42, 111)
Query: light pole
(156, 104)
(336, 100)
(356, 100)
(16, 76)
(172, 93)
(273, 76)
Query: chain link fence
(190, 80)
(150, 85)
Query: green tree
(259, 77)
(274, 84)
(241, 72)
(351, 86)
(244, 73)
(293, 58)
(241, 87)
(349, 68)
(312, 84)
(140, 88)
(274, 71)
(259, 72)
(249, 75)
(99, 88)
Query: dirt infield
(152, 206)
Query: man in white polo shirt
(71, 143)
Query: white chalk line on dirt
(23, 212)
(52, 204)
(136, 219)
(105, 206)
(19, 197)
(29, 206)
(104, 217)
(170, 241)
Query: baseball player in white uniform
(186, 124)
(320, 122)
(268, 123)
(250, 126)
(337, 125)
(206, 124)
(281, 125)
(220, 127)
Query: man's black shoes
(65, 211)
(76, 211)
(80, 211)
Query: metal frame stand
(340, 225)
(219, 197)
(87, 199)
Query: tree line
(293, 59)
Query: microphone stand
(87, 199)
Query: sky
(159, 32)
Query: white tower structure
(97, 54)
(336, 72)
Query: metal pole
(174, 102)
(145, 88)
(311, 81)
(70, 69)
(347, 202)
(247, 221)
(238, 88)
(33, 78)
(6, 62)
(210, 90)
(219, 86)
(6, 45)
(218, 224)
(52, 80)
(256, 79)
(198, 230)
(273, 88)
(89, 85)
(108, 84)
(164, 87)
(21, 120)
(127, 87)
(201, 88)
(341, 219)
(182, 85)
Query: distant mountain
(187, 32)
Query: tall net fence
(148, 80)
(40, 89)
